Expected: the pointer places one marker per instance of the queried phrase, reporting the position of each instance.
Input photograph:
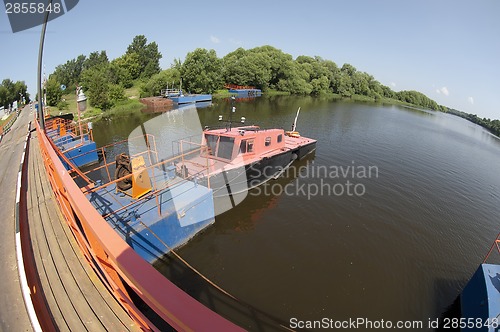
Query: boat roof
(241, 131)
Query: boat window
(268, 140)
(280, 138)
(225, 150)
(250, 145)
(243, 146)
(212, 143)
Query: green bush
(116, 93)
(63, 105)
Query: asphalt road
(13, 315)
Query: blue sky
(447, 49)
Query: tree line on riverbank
(268, 68)
(492, 125)
(202, 71)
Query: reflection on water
(402, 251)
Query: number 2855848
(32, 8)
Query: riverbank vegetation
(11, 92)
(108, 84)
(104, 81)
(492, 125)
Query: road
(13, 315)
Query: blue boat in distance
(243, 91)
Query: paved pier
(76, 297)
(13, 314)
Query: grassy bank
(69, 102)
(275, 93)
(221, 94)
(3, 122)
(123, 107)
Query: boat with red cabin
(243, 157)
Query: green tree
(293, 79)
(12, 91)
(343, 84)
(20, 91)
(4, 96)
(10, 94)
(320, 86)
(96, 87)
(160, 81)
(361, 83)
(250, 67)
(148, 57)
(348, 69)
(202, 71)
(275, 62)
(53, 91)
(388, 92)
(116, 93)
(237, 68)
(70, 72)
(96, 60)
(129, 62)
(375, 87)
(119, 75)
(316, 67)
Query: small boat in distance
(243, 91)
(178, 97)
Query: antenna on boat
(233, 110)
(293, 133)
(295, 122)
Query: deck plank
(34, 222)
(77, 299)
(97, 284)
(66, 305)
(45, 284)
(74, 297)
(40, 214)
(99, 308)
(105, 313)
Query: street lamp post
(81, 101)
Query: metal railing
(495, 245)
(123, 270)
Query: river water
(387, 220)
